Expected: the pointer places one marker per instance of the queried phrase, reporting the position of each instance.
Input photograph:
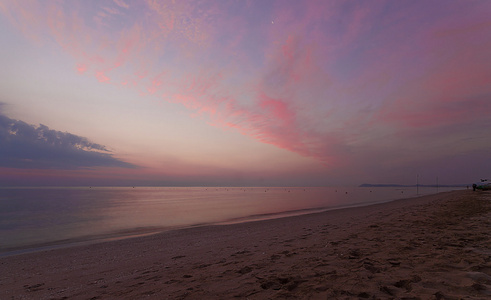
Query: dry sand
(432, 247)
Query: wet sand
(431, 247)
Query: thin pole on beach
(417, 184)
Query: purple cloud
(27, 146)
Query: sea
(33, 219)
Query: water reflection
(46, 215)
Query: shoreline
(145, 231)
(434, 245)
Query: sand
(432, 247)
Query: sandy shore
(432, 247)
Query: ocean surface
(38, 218)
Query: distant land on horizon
(412, 185)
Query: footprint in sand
(34, 287)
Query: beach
(430, 247)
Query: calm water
(36, 217)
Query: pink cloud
(436, 112)
(121, 3)
(278, 109)
(276, 83)
(102, 77)
(156, 84)
(272, 116)
(26, 20)
(81, 68)
(455, 90)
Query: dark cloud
(27, 146)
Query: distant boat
(483, 185)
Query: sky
(244, 93)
